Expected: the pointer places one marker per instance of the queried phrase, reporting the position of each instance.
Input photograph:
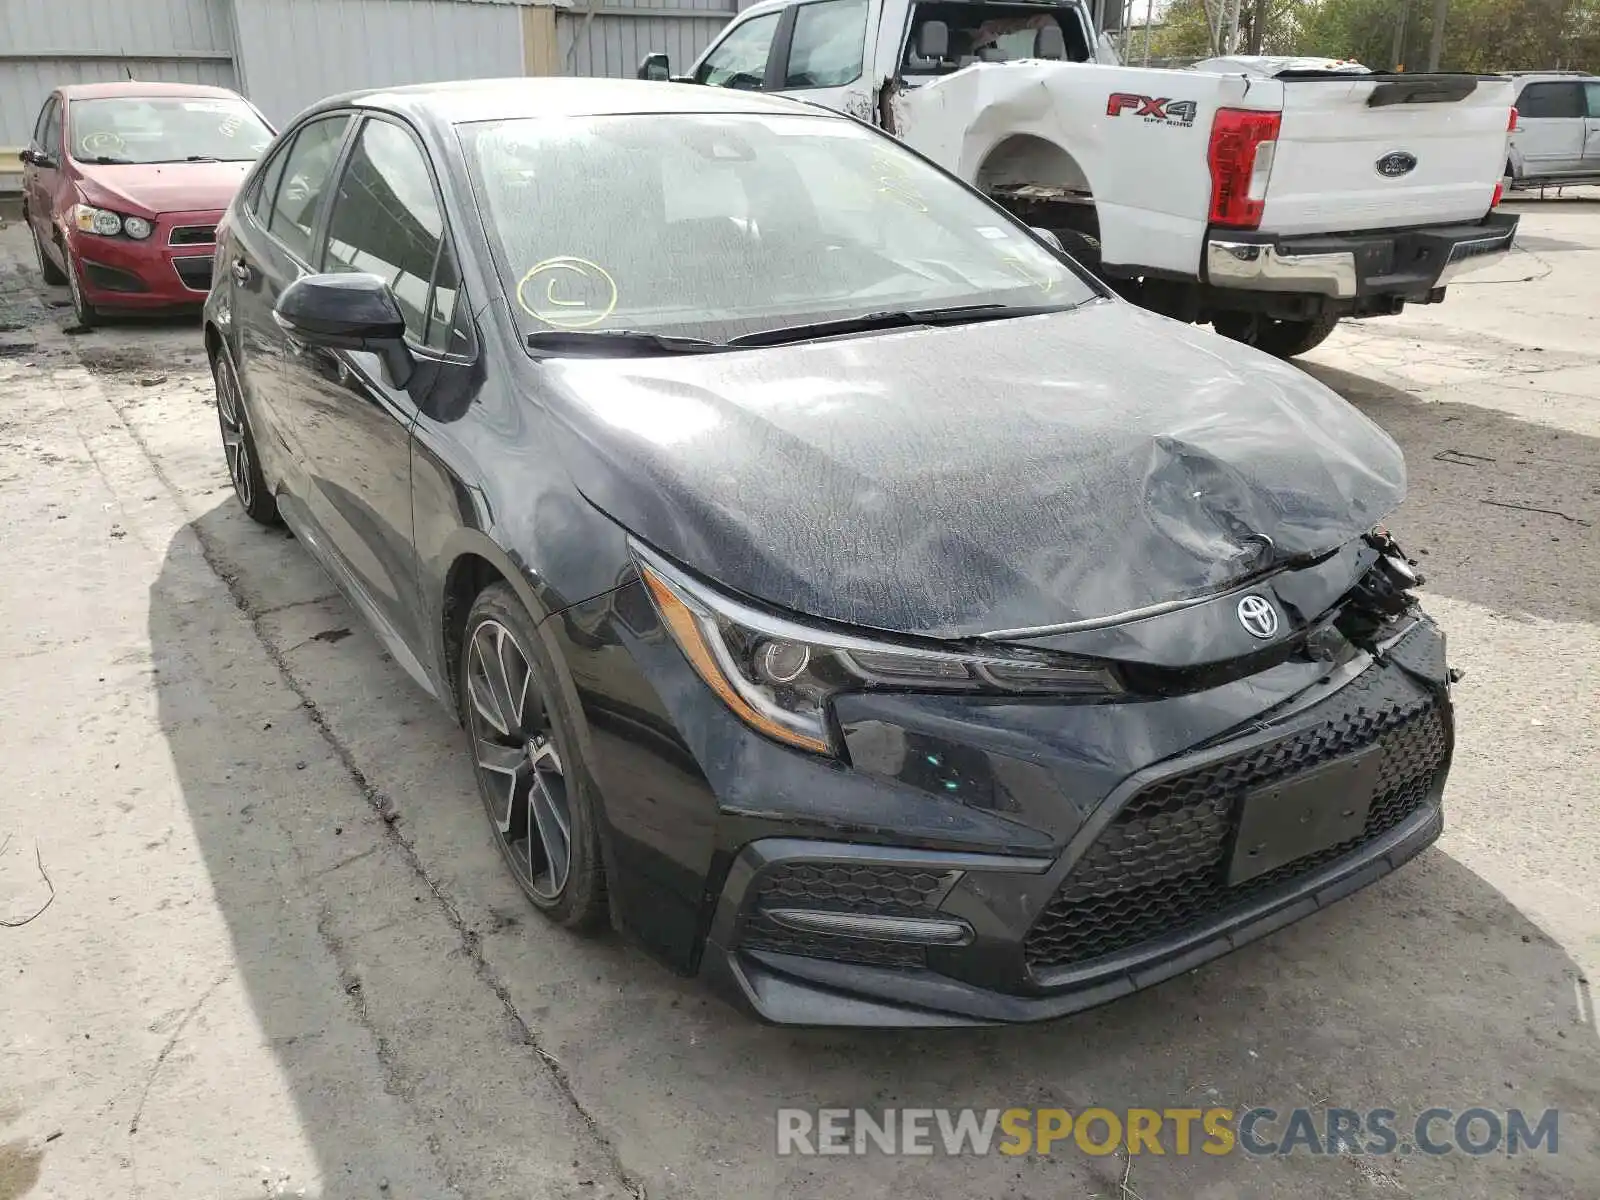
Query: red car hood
(152, 188)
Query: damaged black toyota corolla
(839, 590)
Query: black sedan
(840, 590)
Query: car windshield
(152, 129)
(720, 225)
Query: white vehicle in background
(1266, 198)
(1557, 138)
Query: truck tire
(1283, 339)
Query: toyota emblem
(1258, 616)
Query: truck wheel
(1284, 339)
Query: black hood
(958, 481)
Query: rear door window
(1593, 92)
(1551, 100)
(296, 201)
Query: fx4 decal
(1155, 110)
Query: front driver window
(386, 219)
(741, 59)
(826, 47)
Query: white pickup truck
(1263, 197)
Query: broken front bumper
(1406, 263)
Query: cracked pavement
(283, 958)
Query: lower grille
(885, 891)
(113, 279)
(1160, 866)
(195, 272)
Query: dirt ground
(281, 958)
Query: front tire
(87, 315)
(534, 784)
(1284, 339)
(48, 271)
(239, 445)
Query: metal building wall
(609, 37)
(294, 52)
(47, 43)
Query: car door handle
(241, 270)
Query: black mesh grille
(193, 235)
(1160, 866)
(883, 891)
(763, 933)
(195, 273)
(841, 887)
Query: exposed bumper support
(1409, 263)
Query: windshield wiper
(903, 318)
(109, 160)
(607, 341)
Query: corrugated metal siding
(47, 43)
(295, 52)
(621, 32)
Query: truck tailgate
(1338, 128)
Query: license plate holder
(1303, 814)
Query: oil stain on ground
(19, 1169)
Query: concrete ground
(283, 959)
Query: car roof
(133, 88)
(468, 100)
(1526, 77)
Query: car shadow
(1499, 512)
(1429, 988)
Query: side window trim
(320, 237)
(778, 52)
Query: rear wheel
(52, 274)
(239, 445)
(535, 787)
(1285, 339)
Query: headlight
(99, 220)
(778, 675)
(136, 227)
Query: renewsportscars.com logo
(1176, 1131)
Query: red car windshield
(158, 129)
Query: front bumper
(170, 268)
(828, 933)
(1408, 264)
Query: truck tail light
(1499, 191)
(1240, 157)
(1511, 125)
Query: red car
(124, 184)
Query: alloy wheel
(235, 445)
(524, 788)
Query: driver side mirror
(37, 158)
(348, 312)
(656, 67)
(933, 40)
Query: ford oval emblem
(1396, 163)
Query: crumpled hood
(156, 188)
(957, 481)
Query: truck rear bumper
(1407, 264)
